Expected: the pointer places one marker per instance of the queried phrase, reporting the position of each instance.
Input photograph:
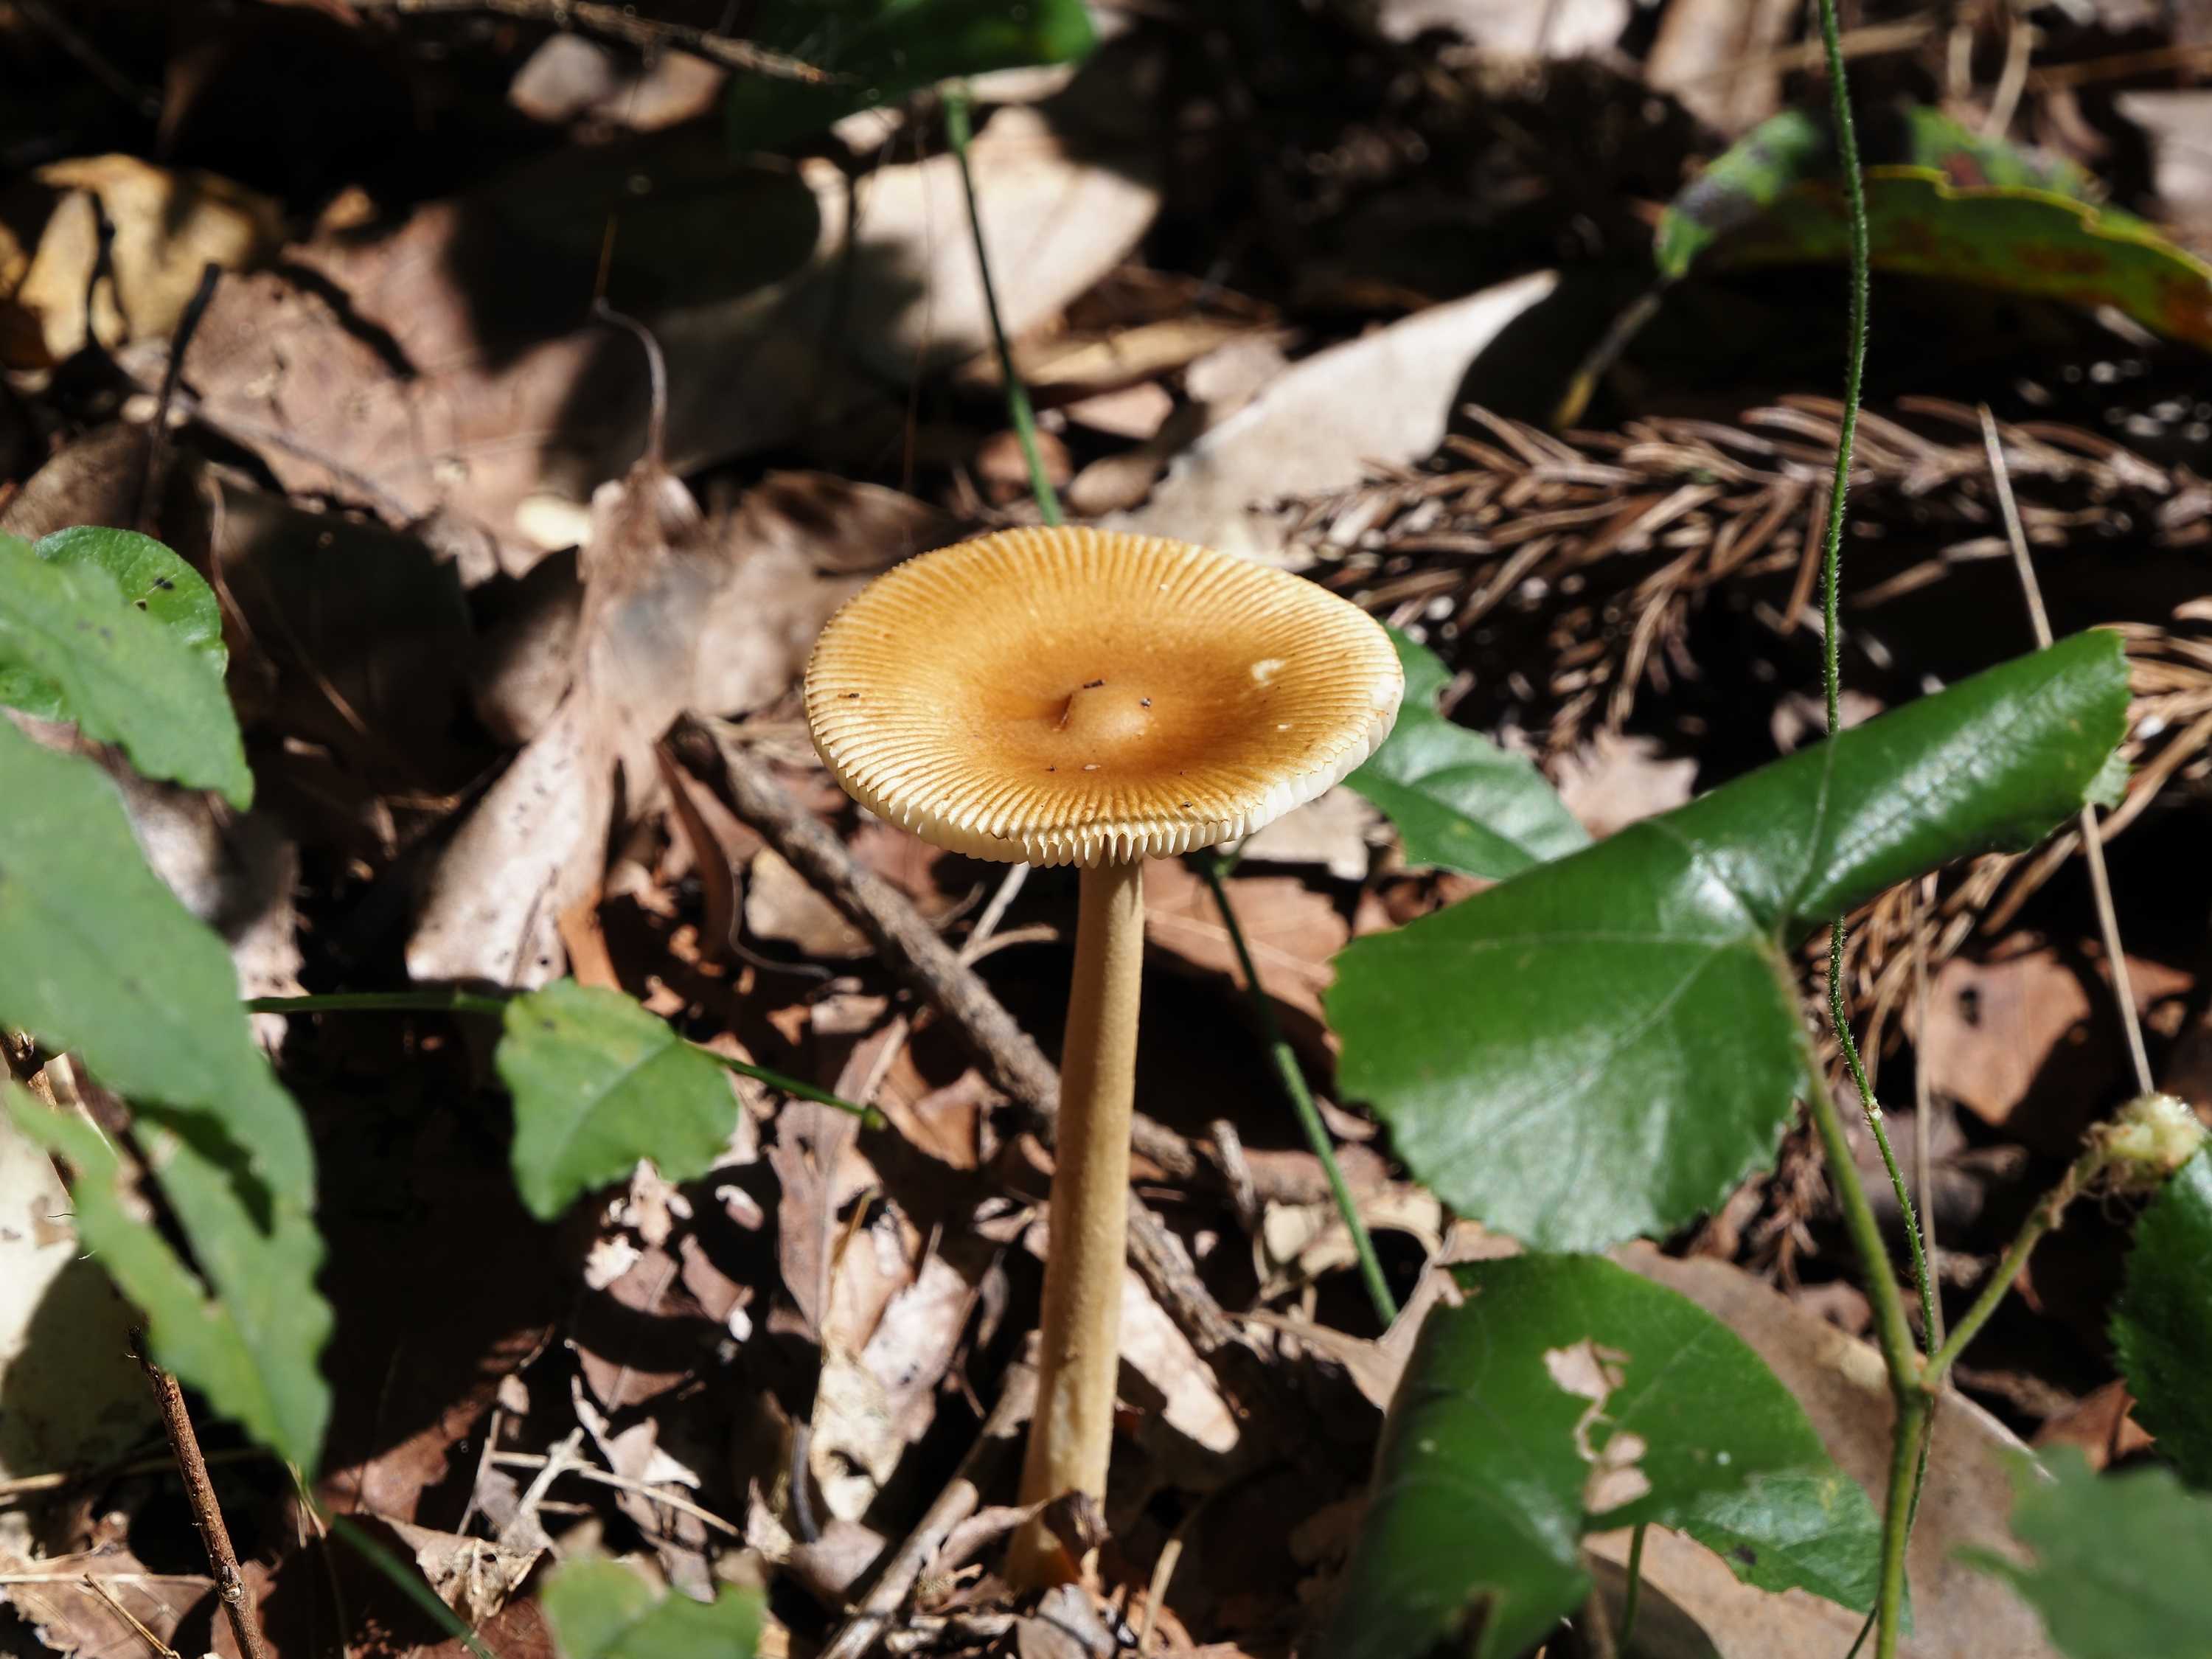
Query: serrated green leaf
(2120, 1560)
(882, 50)
(1460, 802)
(98, 958)
(604, 1610)
(2163, 1325)
(1601, 1047)
(1569, 1396)
(83, 649)
(599, 1084)
(252, 1349)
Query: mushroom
(1094, 698)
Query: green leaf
(2120, 1560)
(1460, 801)
(98, 958)
(2163, 1325)
(604, 1610)
(150, 578)
(1570, 1395)
(2012, 239)
(1603, 1045)
(1742, 182)
(882, 50)
(1933, 139)
(75, 644)
(599, 1084)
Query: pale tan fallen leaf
(78, 1400)
(1293, 931)
(781, 905)
(474, 1576)
(1136, 412)
(1614, 778)
(120, 247)
(1386, 398)
(1338, 832)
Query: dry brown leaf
(474, 1576)
(781, 905)
(120, 246)
(1136, 412)
(79, 1401)
(1292, 930)
(570, 78)
(1338, 832)
(2026, 1041)
(1386, 398)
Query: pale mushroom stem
(1073, 1433)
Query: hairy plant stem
(1912, 1410)
(2041, 1219)
(1294, 1085)
(1897, 1350)
(440, 1001)
(958, 133)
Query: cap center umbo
(1106, 714)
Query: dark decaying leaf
(1459, 801)
(882, 50)
(1602, 1047)
(81, 640)
(1566, 1396)
(2163, 1325)
(2120, 1560)
(98, 958)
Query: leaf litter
(456, 681)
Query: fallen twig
(962, 1497)
(623, 23)
(1012, 1061)
(207, 1514)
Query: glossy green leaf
(2017, 239)
(604, 1610)
(1965, 157)
(1742, 183)
(2120, 1560)
(2163, 1325)
(599, 1084)
(76, 645)
(1460, 802)
(882, 50)
(1603, 1045)
(150, 578)
(98, 958)
(1566, 1396)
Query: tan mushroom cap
(1086, 697)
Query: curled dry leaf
(110, 247)
(405, 369)
(1386, 398)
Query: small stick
(621, 23)
(157, 440)
(2093, 845)
(1924, 1101)
(130, 1618)
(207, 1514)
(1010, 1059)
(962, 1496)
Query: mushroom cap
(1088, 696)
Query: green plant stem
(1897, 1523)
(1294, 1085)
(957, 131)
(1897, 1352)
(1892, 1330)
(2040, 1220)
(408, 1582)
(442, 1001)
(382, 1002)
(1635, 1591)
